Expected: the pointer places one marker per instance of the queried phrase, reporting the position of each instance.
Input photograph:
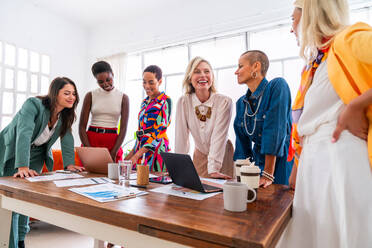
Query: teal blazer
(26, 126)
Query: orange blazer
(350, 67)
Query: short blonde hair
(186, 84)
(321, 21)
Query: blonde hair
(299, 4)
(186, 84)
(321, 21)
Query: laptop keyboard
(209, 187)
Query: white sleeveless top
(106, 108)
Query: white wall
(28, 26)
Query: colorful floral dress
(153, 120)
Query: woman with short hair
(153, 121)
(263, 119)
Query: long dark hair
(68, 115)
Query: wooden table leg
(5, 223)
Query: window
(292, 74)
(361, 15)
(23, 73)
(135, 93)
(134, 66)
(174, 91)
(220, 52)
(170, 60)
(228, 85)
(277, 43)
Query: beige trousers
(201, 161)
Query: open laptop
(94, 159)
(183, 173)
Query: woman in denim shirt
(263, 118)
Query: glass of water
(125, 168)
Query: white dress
(333, 198)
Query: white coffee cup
(238, 164)
(112, 171)
(235, 196)
(250, 176)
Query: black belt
(101, 130)
(142, 132)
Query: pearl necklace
(251, 115)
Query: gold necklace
(202, 117)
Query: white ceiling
(90, 13)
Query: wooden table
(153, 220)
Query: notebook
(183, 173)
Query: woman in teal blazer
(25, 144)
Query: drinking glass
(125, 168)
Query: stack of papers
(179, 191)
(83, 181)
(56, 176)
(108, 192)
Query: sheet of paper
(176, 190)
(83, 181)
(133, 176)
(213, 180)
(108, 192)
(52, 177)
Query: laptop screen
(182, 171)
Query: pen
(131, 195)
(104, 179)
(94, 180)
(63, 171)
(47, 173)
(138, 186)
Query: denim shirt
(263, 119)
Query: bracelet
(268, 176)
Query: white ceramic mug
(112, 171)
(235, 196)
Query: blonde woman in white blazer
(206, 115)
